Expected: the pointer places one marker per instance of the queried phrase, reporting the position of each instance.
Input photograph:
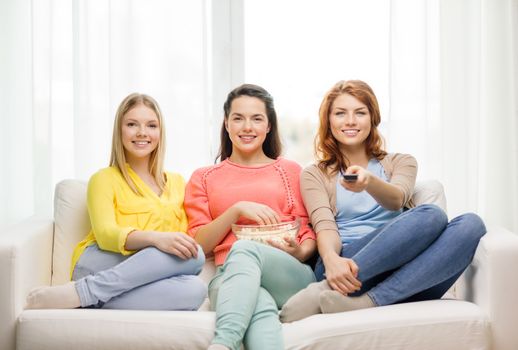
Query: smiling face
(247, 126)
(140, 132)
(350, 122)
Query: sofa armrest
(490, 283)
(25, 262)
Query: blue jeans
(147, 280)
(416, 256)
(247, 292)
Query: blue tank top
(358, 213)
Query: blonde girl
(137, 254)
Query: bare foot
(55, 297)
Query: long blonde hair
(118, 157)
(327, 148)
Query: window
(297, 49)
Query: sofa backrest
(72, 224)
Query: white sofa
(37, 252)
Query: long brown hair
(272, 146)
(156, 159)
(327, 148)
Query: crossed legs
(149, 279)
(416, 256)
(247, 292)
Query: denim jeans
(247, 292)
(147, 280)
(416, 256)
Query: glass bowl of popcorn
(287, 228)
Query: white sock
(305, 303)
(332, 301)
(57, 297)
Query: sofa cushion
(426, 325)
(429, 325)
(71, 225)
(429, 192)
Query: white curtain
(412, 121)
(66, 65)
(449, 91)
(453, 93)
(479, 114)
(16, 125)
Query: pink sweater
(212, 190)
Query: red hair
(327, 148)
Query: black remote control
(350, 177)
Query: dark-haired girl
(251, 183)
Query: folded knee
(434, 211)
(199, 292)
(244, 244)
(433, 215)
(244, 247)
(245, 254)
(193, 294)
(199, 261)
(472, 226)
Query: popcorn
(265, 233)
